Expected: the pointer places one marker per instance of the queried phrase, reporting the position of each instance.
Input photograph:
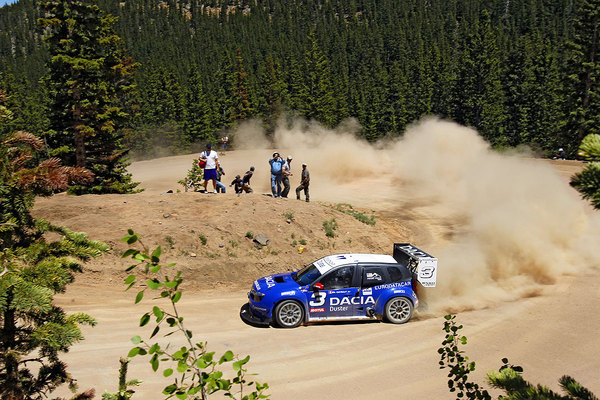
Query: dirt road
(549, 336)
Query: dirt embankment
(210, 236)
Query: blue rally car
(343, 287)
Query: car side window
(338, 279)
(395, 274)
(372, 276)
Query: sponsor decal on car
(320, 309)
(334, 301)
(256, 285)
(392, 285)
(373, 276)
(270, 281)
(338, 309)
(367, 292)
(290, 293)
(413, 251)
(319, 299)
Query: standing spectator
(285, 177)
(220, 185)
(276, 167)
(304, 182)
(237, 184)
(212, 164)
(224, 142)
(246, 180)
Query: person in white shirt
(212, 164)
(287, 172)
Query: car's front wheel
(398, 310)
(289, 314)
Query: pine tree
(482, 74)
(271, 94)
(197, 114)
(163, 96)
(516, 388)
(222, 96)
(33, 331)
(90, 80)
(242, 108)
(315, 96)
(583, 105)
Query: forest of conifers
(519, 71)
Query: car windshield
(306, 275)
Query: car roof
(327, 263)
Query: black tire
(289, 314)
(398, 310)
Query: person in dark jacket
(304, 182)
(246, 180)
(237, 184)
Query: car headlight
(256, 296)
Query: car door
(334, 300)
(372, 277)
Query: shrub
(194, 179)
(587, 182)
(361, 216)
(330, 227)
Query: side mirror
(317, 286)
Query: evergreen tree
(396, 97)
(315, 95)
(241, 98)
(480, 75)
(272, 93)
(583, 105)
(162, 96)
(90, 79)
(197, 112)
(222, 97)
(33, 330)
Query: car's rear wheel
(398, 310)
(289, 314)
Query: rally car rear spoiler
(422, 265)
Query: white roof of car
(329, 262)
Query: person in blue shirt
(221, 188)
(276, 174)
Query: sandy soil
(528, 292)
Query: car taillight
(414, 286)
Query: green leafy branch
(460, 367)
(197, 367)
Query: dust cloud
(503, 226)
(516, 226)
